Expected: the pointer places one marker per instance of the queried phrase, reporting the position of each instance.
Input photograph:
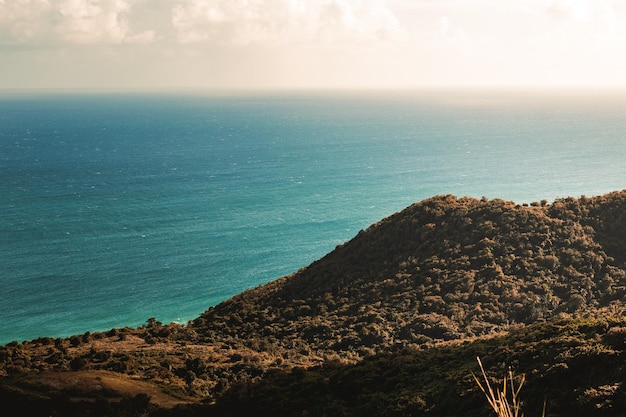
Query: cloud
(585, 23)
(311, 42)
(597, 12)
(37, 22)
(455, 37)
(284, 21)
(225, 22)
(577, 10)
(235, 21)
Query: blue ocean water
(119, 207)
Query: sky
(269, 44)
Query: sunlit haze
(311, 43)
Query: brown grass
(505, 401)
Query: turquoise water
(115, 208)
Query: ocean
(117, 207)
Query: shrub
(506, 401)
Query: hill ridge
(465, 266)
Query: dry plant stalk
(499, 399)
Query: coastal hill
(388, 324)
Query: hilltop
(387, 324)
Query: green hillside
(388, 324)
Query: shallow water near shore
(115, 208)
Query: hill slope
(442, 269)
(446, 277)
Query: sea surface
(120, 207)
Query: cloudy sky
(310, 43)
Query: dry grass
(505, 401)
(85, 385)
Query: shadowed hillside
(388, 324)
(442, 269)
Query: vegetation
(505, 402)
(388, 324)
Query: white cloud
(233, 21)
(312, 42)
(455, 37)
(577, 10)
(359, 20)
(226, 22)
(37, 22)
(284, 21)
(84, 21)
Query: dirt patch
(112, 385)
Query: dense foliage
(577, 365)
(388, 324)
(442, 269)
